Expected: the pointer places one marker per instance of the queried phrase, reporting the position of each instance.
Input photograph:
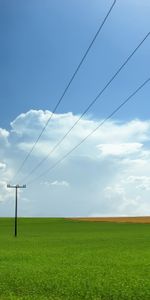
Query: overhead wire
(87, 109)
(91, 133)
(65, 90)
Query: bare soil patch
(143, 220)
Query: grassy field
(66, 259)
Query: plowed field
(144, 220)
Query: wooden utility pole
(16, 187)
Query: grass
(70, 260)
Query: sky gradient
(42, 43)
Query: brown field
(143, 220)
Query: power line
(92, 132)
(66, 89)
(87, 109)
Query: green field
(64, 259)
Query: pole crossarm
(16, 186)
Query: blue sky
(42, 43)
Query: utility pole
(16, 187)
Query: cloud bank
(108, 175)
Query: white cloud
(2, 166)
(3, 133)
(60, 183)
(140, 182)
(5, 193)
(56, 183)
(108, 175)
(123, 149)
